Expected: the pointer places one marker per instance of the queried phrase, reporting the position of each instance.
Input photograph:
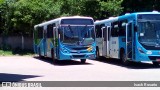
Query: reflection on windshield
(77, 35)
(149, 32)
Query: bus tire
(156, 64)
(123, 58)
(83, 61)
(97, 53)
(39, 53)
(53, 58)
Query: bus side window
(109, 28)
(105, 33)
(130, 29)
(122, 28)
(115, 29)
(40, 32)
(50, 31)
(98, 31)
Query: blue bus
(66, 38)
(130, 37)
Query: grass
(18, 52)
(5, 53)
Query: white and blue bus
(130, 37)
(66, 38)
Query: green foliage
(16, 52)
(112, 6)
(140, 5)
(92, 8)
(30, 12)
(20, 16)
(5, 53)
(5, 47)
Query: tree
(20, 16)
(113, 7)
(92, 9)
(31, 12)
(72, 7)
(140, 5)
(7, 8)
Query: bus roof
(106, 20)
(59, 19)
(136, 13)
(153, 12)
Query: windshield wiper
(71, 30)
(84, 28)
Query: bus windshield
(149, 30)
(77, 34)
(77, 21)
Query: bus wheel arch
(83, 61)
(53, 57)
(123, 57)
(97, 52)
(156, 64)
(121, 53)
(39, 52)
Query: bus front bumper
(68, 56)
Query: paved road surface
(17, 68)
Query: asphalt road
(18, 68)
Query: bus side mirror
(135, 28)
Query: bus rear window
(77, 21)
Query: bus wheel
(52, 53)
(39, 53)
(156, 64)
(97, 53)
(83, 61)
(124, 59)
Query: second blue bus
(130, 37)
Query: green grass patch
(5, 53)
(18, 52)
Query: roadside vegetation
(18, 17)
(17, 53)
(7, 51)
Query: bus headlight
(89, 49)
(149, 52)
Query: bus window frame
(40, 32)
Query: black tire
(123, 58)
(97, 53)
(39, 53)
(83, 61)
(156, 64)
(53, 58)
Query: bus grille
(82, 48)
(154, 57)
(78, 56)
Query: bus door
(108, 40)
(104, 41)
(54, 41)
(99, 38)
(129, 40)
(57, 34)
(45, 41)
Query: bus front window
(149, 31)
(77, 35)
